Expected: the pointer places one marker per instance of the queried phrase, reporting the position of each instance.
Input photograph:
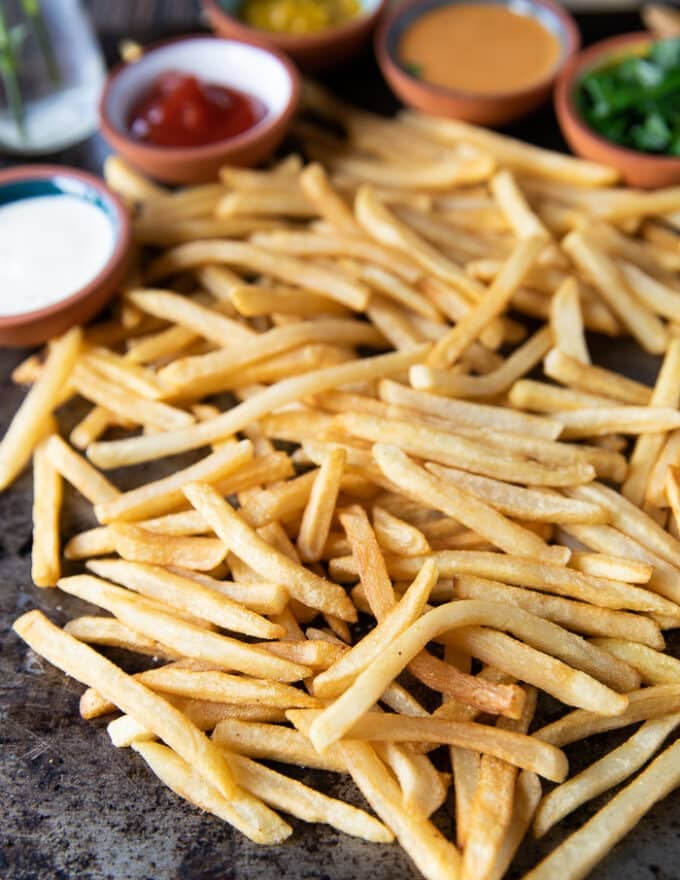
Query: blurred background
(169, 14)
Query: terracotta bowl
(316, 51)
(481, 109)
(264, 73)
(29, 181)
(638, 169)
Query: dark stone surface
(74, 807)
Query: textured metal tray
(75, 807)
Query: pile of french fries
(344, 341)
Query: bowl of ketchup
(191, 105)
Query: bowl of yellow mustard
(317, 34)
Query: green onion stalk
(10, 46)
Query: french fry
(646, 703)
(139, 545)
(337, 719)
(161, 496)
(319, 191)
(273, 743)
(616, 420)
(111, 632)
(465, 414)
(514, 206)
(47, 499)
(648, 446)
(396, 536)
(26, 427)
(577, 616)
(194, 642)
(491, 810)
(426, 442)
(599, 564)
(604, 774)
(187, 595)
(251, 301)
(521, 361)
(304, 802)
(524, 572)
(86, 665)
(518, 156)
(138, 449)
(269, 563)
(335, 680)
(543, 398)
(209, 370)
(566, 321)
(450, 348)
(653, 666)
(464, 507)
(520, 503)
(642, 324)
(595, 380)
(79, 472)
(318, 513)
(586, 847)
(242, 810)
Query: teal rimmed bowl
(37, 325)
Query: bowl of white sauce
(65, 246)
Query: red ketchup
(181, 110)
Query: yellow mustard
(297, 16)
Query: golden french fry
(138, 449)
(604, 774)
(578, 616)
(139, 545)
(86, 665)
(242, 809)
(79, 472)
(467, 508)
(27, 426)
(519, 156)
(318, 513)
(595, 380)
(180, 635)
(187, 595)
(521, 361)
(649, 702)
(597, 265)
(47, 499)
(396, 536)
(160, 496)
(450, 348)
(591, 843)
(268, 562)
(566, 321)
(520, 503)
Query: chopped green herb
(635, 101)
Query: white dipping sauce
(50, 247)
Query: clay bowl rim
(152, 153)
(122, 230)
(588, 59)
(295, 42)
(569, 31)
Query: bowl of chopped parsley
(618, 103)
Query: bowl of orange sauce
(487, 61)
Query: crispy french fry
(242, 809)
(130, 696)
(47, 499)
(316, 519)
(586, 847)
(139, 449)
(268, 562)
(182, 636)
(566, 321)
(26, 427)
(604, 774)
(139, 545)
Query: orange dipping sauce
(479, 48)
